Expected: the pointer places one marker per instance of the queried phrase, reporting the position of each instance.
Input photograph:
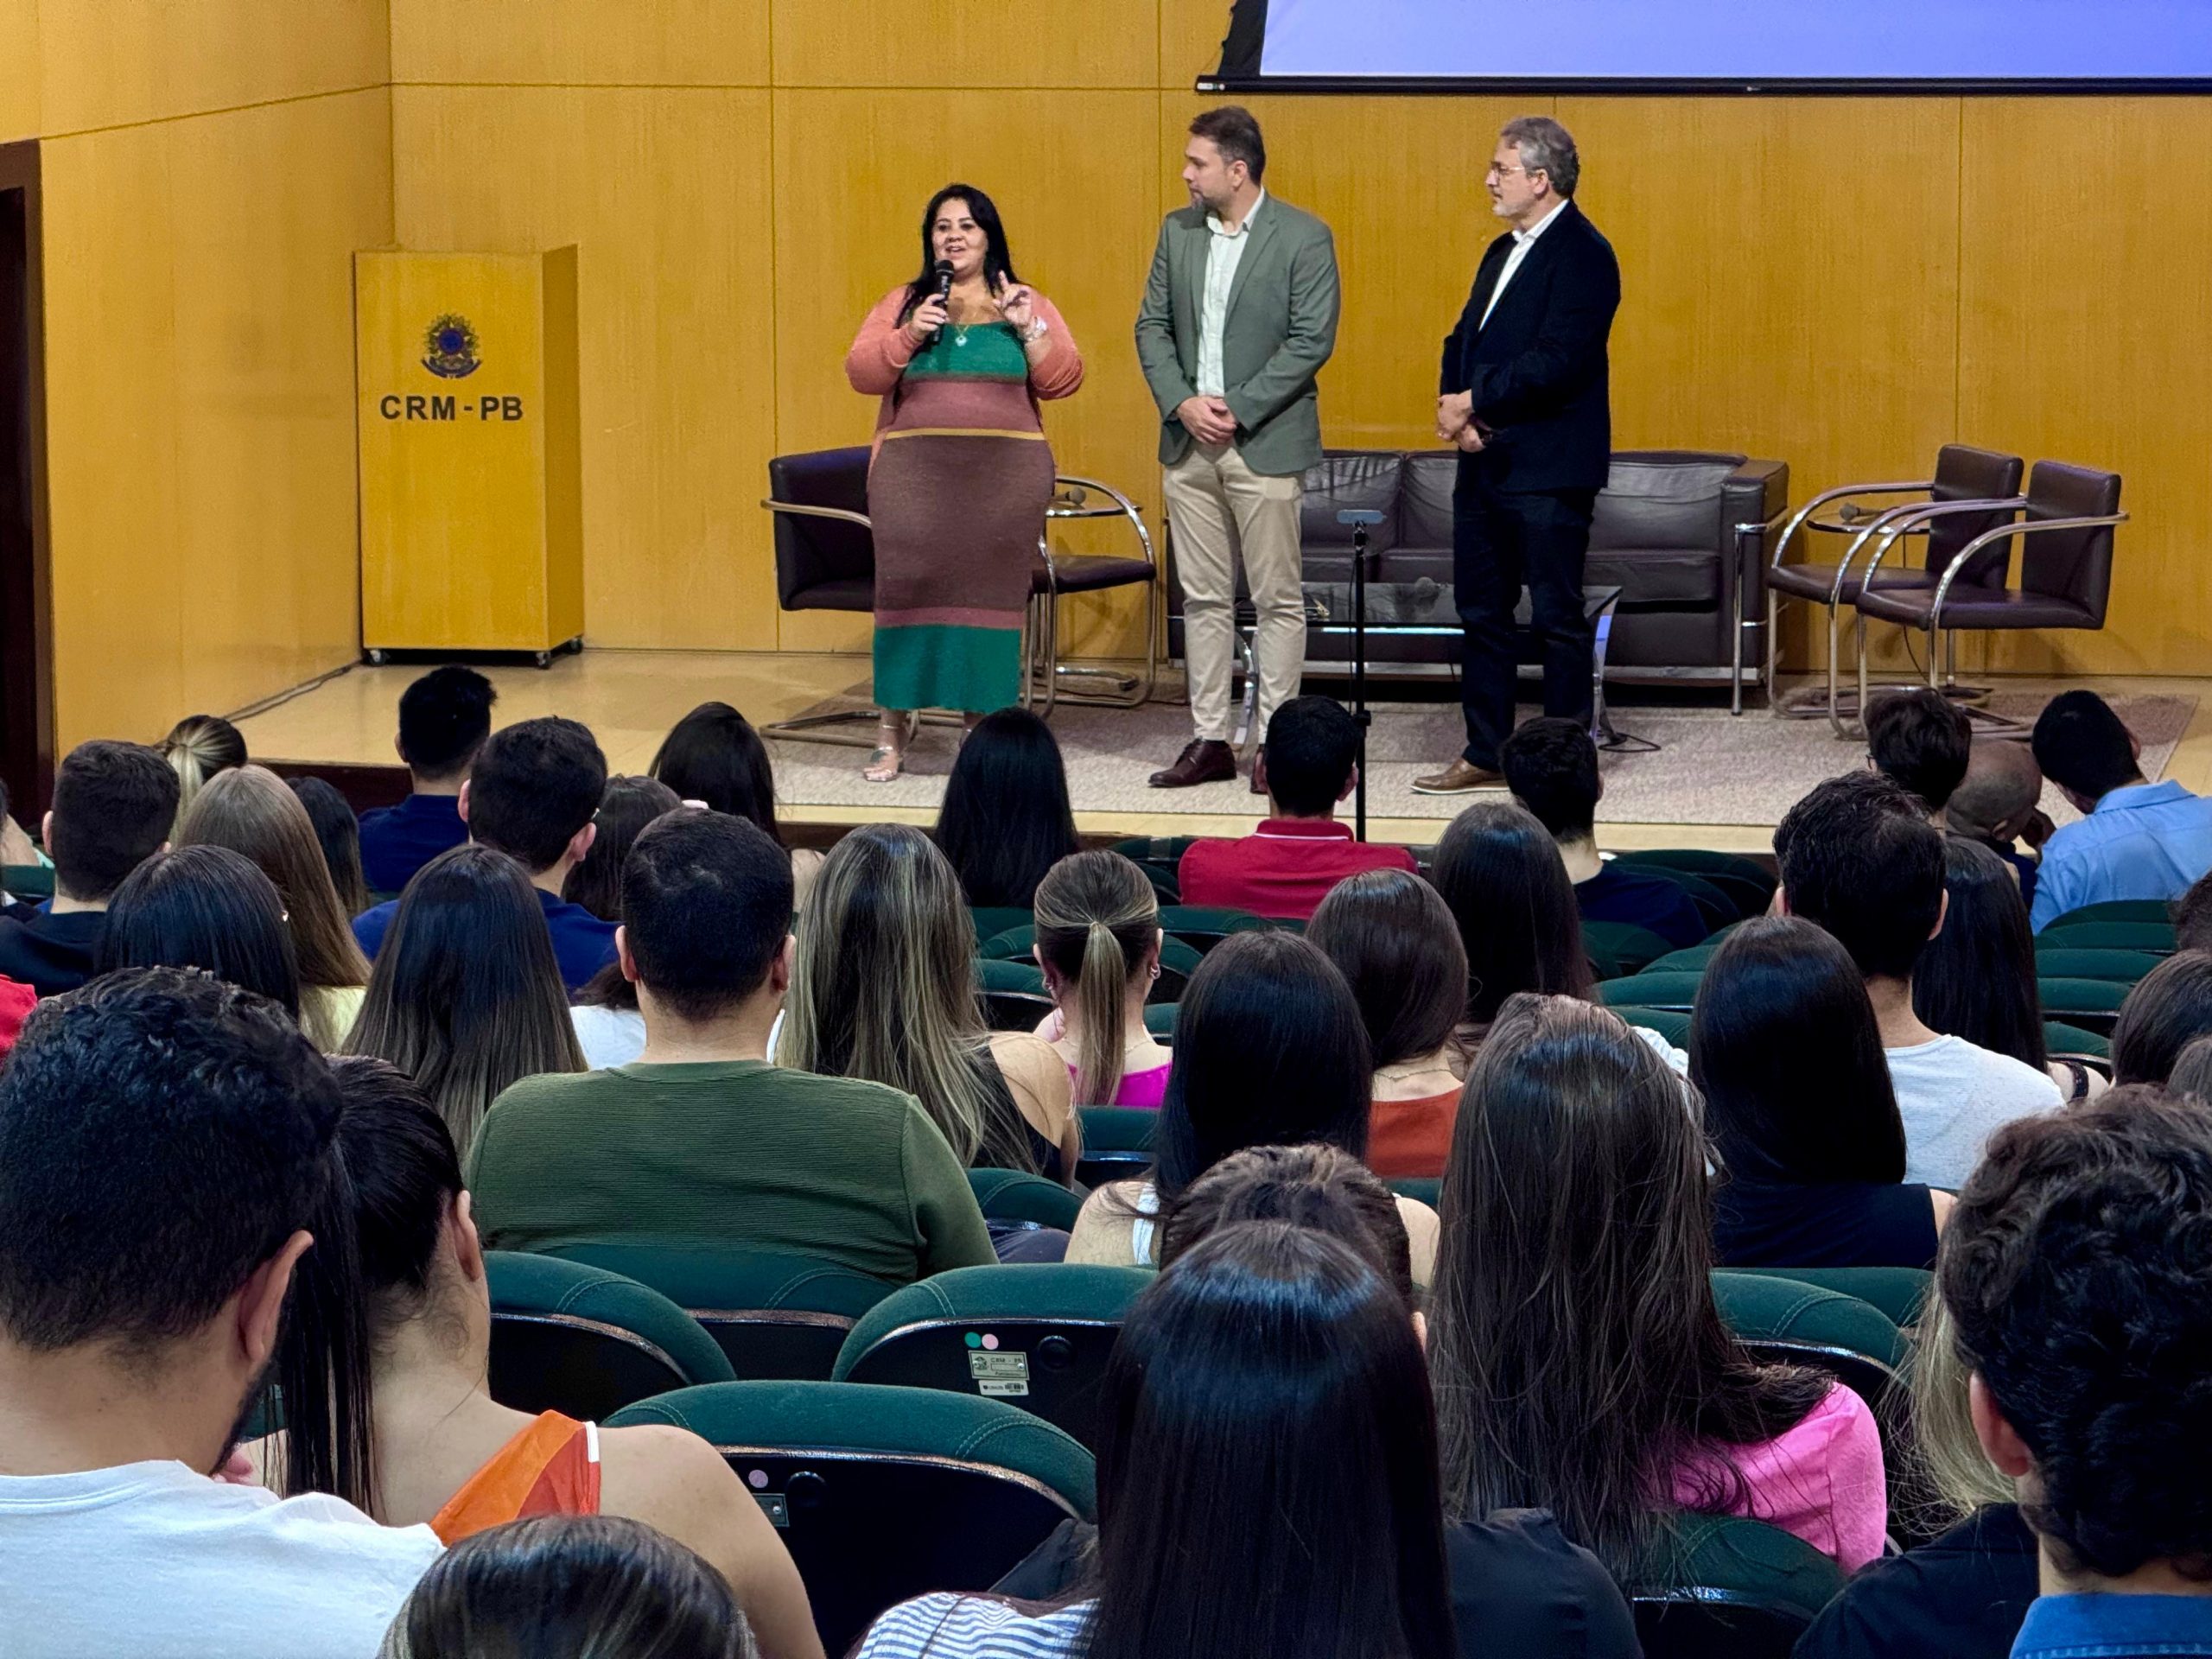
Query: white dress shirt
(1223, 254)
(1522, 241)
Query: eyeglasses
(1498, 172)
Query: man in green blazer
(1239, 314)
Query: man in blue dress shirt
(444, 718)
(2139, 840)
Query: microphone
(943, 271)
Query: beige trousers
(1221, 508)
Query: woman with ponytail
(1098, 943)
(197, 748)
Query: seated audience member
(1268, 1053)
(1006, 819)
(2191, 1078)
(1499, 873)
(338, 832)
(531, 793)
(17, 850)
(2078, 1275)
(883, 988)
(1394, 940)
(209, 908)
(610, 1028)
(1287, 865)
(1921, 739)
(249, 810)
(1581, 1364)
(713, 756)
(2139, 840)
(199, 749)
(1317, 1186)
(411, 1435)
(1859, 857)
(2192, 916)
(701, 1141)
(1211, 1540)
(1976, 979)
(1551, 766)
(1996, 805)
(1963, 1593)
(2168, 1008)
(1098, 942)
(114, 805)
(582, 1585)
(444, 718)
(466, 997)
(165, 1160)
(1784, 1048)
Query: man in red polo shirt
(1285, 867)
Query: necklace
(960, 334)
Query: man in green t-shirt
(701, 1141)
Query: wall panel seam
(228, 109)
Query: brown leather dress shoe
(1260, 770)
(1203, 760)
(1461, 777)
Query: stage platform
(1716, 782)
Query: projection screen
(1718, 45)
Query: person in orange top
(437, 1448)
(1392, 936)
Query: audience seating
(1671, 1023)
(1158, 857)
(992, 919)
(1159, 1020)
(2075, 1043)
(1016, 1010)
(586, 1342)
(1619, 949)
(882, 1493)
(1674, 990)
(1421, 1189)
(773, 1315)
(1178, 960)
(1206, 925)
(1690, 960)
(1747, 882)
(1035, 1336)
(2093, 1004)
(1898, 1292)
(1116, 1143)
(1015, 1195)
(27, 882)
(2155, 938)
(1722, 1587)
(2066, 961)
(994, 974)
(1792, 1322)
(2116, 910)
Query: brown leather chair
(1974, 491)
(2066, 549)
(825, 560)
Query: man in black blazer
(1523, 397)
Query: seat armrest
(1757, 493)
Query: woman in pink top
(1580, 1363)
(1098, 943)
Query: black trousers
(1503, 540)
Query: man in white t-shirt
(165, 1145)
(1859, 857)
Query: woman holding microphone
(962, 356)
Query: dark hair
(1551, 766)
(114, 805)
(593, 1586)
(1269, 1337)
(1313, 746)
(998, 261)
(1859, 857)
(1098, 928)
(1006, 818)
(533, 787)
(1499, 872)
(1580, 1360)
(2084, 747)
(1977, 978)
(1393, 938)
(466, 995)
(713, 756)
(338, 832)
(707, 899)
(1785, 1048)
(2192, 916)
(2077, 1266)
(1918, 736)
(1268, 1052)
(628, 805)
(2168, 1008)
(444, 718)
(1233, 131)
(2192, 1074)
(163, 1134)
(1315, 1186)
(205, 907)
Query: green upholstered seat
(997, 919)
(993, 974)
(1899, 1293)
(1619, 949)
(1116, 1143)
(773, 1314)
(28, 880)
(2062, 1038)
(1206, 925)
(2065, 961)
(1036, 1337)
(1159, 1020)
(1016, 1010)
(883, 1493)
(2157, 938)
(1650, 990)
(1178, 960)
(2116, 910)
(1749, 884)
(582, 1340)
(2092, 1004)
(1422, 1189)
(1724, 1587)
(1015, 1195)
(1671, 1023)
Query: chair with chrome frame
(1059, 574)
(1971, 491)
(2066, 553)
(825, 560)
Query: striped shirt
(947, 1626)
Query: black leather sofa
(1670, 532)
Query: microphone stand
(1359, 520)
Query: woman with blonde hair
(883, 988)
(198, 748)
(1098, 943)
(251, 810)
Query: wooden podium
(471, 519)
